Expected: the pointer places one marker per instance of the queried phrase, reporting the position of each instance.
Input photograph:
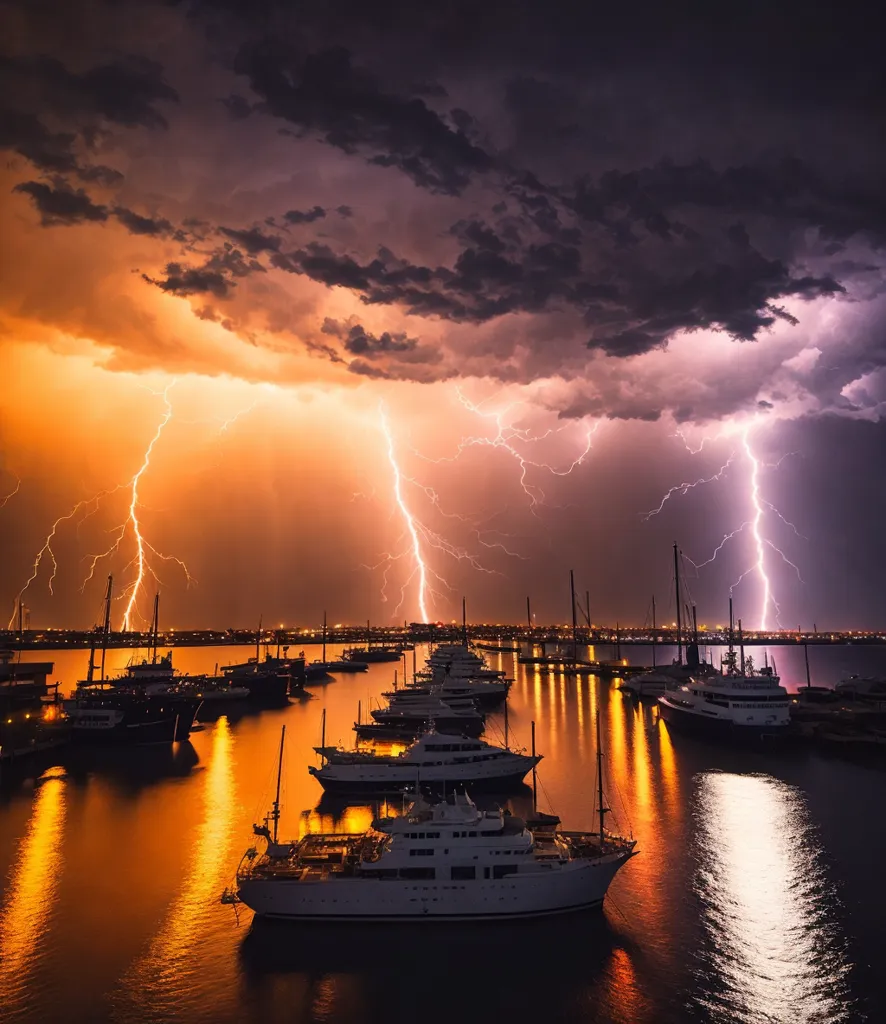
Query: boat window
(472, 834)
(502, 870)
(433, 835)
(421, 853)
(463, 874)
(417, 873)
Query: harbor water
(757, 894)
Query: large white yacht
(447, 861)
(435, 761)
(740, 701)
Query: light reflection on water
(773, 955)
(161, 982)
(685, 936)
(28, 908)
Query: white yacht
(436, 761)
(459, 718)
(740, 701)
(447, 861)
(658, 680)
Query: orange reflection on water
(668, 771)
(642, 763)
(774, 955)
(165, 974)
(354, 818)
(25, 918)
(626, 1001)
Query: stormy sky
(568, 256)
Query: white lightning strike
(12, 493)
(407, 516)
(504, 437)
(47, 549)
(758, 507)
(142, 546)
(684, 488)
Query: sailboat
(372, 654)
(317, 670)
(122, 710)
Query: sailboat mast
(323, 734)
(679, 619)
(464, 621)
(276, 812)
(324, 636)
(601, 810)
(528, 615)
(574, 625)
(155, 628)
(258, 641)
(741, 645)
(106, 629)
(654, 638)
(731, 624)
(534, 773)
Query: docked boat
(465, 721)
(371, 655)
(442, 861)
(738, 702)
(486, 692)
(100, 713)
(31, 717)
(436, 762)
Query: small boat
(465, 721)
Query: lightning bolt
(11, 494)
(132, 522)
(684, 488)
(407, 516)
(47, 550)
(758, 506)
(504, 438)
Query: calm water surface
(757, 895)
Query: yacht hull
(393, 785)
(537, 894)
(696, 724)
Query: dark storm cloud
(359, 342)
(325, 94)
(123, 92)
(253, 240)
(304, 216)
(136, 224)
(62, 204)
(182, 280)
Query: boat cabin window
(421, 853)
(418, 873)
(464, 874)
(502, 870)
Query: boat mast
(258, 640)
(464, 621)
(323, 735)
(653, 631)
(731, 625)
(741, 645)
(275, 814)
(507, 747)
(324, 636)
(106, 629)
(528, 615)
(679, 620)
(155, 629)
(601, 810)
(534, 773)
(574, 625)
